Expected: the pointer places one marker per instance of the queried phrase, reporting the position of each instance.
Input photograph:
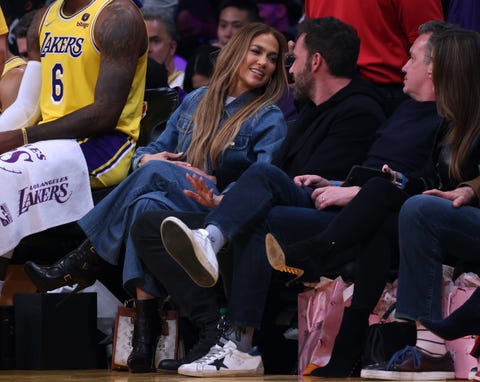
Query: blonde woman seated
(216, 133)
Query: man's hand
(10, 140)
(333, 196)
(313, 181)
(202, 194)
(460, 196)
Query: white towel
(42, 185)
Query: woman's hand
(460, 196)
(202, 194)
(386, 168)
(197, 171)
(164, 155)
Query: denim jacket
(257, 141)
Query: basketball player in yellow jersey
(3, 40)
(86, 73)
(10, 80)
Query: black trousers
(199, 304)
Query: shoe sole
(407, 376)
(222, 373)
(177, 241)
(276, 257)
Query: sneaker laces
(400, 355)
(215, 352)
(204, 343)
(202, 234)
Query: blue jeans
(429, 228)
(158, 185)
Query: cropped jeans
(430, 228)
(158, 185)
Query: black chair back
(160, 104)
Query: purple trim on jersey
(101, 149)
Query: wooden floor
(116, 376)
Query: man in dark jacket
(335, 129)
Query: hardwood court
(116, 376)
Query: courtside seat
(159, 105)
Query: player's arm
(121, 36)
(3, 40)
(9, 85)
(25, 111)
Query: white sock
(429, 342)
(216, 237)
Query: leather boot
(79, 267)
(349, 344)
(146, 332)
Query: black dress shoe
(78, 267)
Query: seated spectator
(162, 42)
(333, 132)
(232, 15)
(200, 67)
(441, 221)
(404, 141)
(387, 31)
(20, 33)
(216, 133)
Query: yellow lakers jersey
(70, 65)
(3, 23)
(12, 63)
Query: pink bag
(461, 347)
(320, 312)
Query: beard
(302, 89)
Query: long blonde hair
(207, 139)
(456, 78)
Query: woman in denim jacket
(216, 133)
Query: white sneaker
(225, 360)
(192, 250)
